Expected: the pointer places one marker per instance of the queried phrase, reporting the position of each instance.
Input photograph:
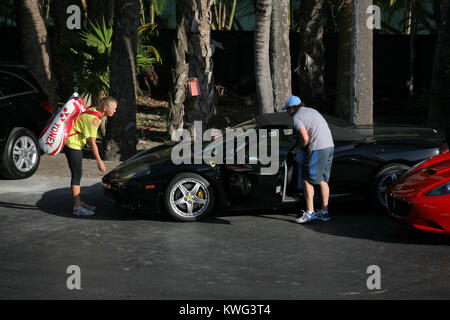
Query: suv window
(11, 84)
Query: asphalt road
(244, 255)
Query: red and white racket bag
(55, 134)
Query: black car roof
(341, 130)
(278, 119)
(20, 70)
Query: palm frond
(91, 54)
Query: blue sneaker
(323, 215)
(307, 217)
(82, 212)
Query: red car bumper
(431, 214)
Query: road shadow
(12, 205)
(58, 202)
(358, 221)
(351, 220)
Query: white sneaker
(82, 211)
(307, 217)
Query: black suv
(24, 112)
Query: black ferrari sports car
(366, 162)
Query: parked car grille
(398, 207)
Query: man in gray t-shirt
(315, 160)
(316, 126)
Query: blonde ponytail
(105, 102)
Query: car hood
(141, 162)
(423, 180)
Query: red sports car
(421, 197)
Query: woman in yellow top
(84, 130)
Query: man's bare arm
(304, 137)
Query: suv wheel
(21, 155)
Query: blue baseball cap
(292, 101)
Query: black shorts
(75, 161)
(317, 167)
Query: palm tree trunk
(311, 56)
(201, 66)
(121, 129)
(60, 42)
(180, 72)
(262, 60)
(280, 58)
(344, 43)
(438, 112)
(35, 45)
(193, 55)
(361, 75)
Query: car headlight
(440, 191)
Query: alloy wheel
(24, 154)
(189, 198)
(384, 183)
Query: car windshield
(341, 130)
(250, 124)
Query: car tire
(21, 155)
(183, 203)
(384, 178)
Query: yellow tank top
(84, 125)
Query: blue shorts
(300, 159)
(314, 166)
(317, 166)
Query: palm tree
(90, 52)
(344, 43)
(262, 60)
(354, 86)
(35, 45)
(121, 129)
(280, 58)
(193, 60)
(311, 56)
(60, 41)
(361, 74)
(180, 71)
